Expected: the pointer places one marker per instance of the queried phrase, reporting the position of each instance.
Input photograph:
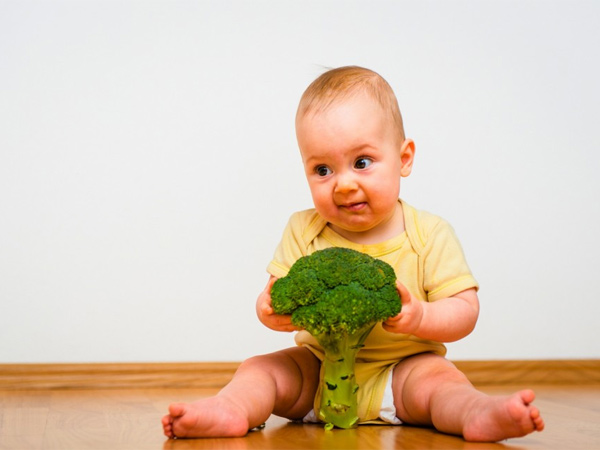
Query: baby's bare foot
(497, 418)
(210, 417)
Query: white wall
(148, 165)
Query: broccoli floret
(338, 295)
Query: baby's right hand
(267, 316)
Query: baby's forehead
(345, 114)
(332, 99)
(340, 107)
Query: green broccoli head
(338, 295)
(337, 290)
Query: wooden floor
(117, 419)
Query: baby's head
(354, 152)
(345, 82)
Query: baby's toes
(167, 426)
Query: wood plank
(531, 372)
(217, 374)
(130, 419)
(116, 376)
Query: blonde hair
(344, 82)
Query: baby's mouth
(354, 207)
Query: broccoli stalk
(338, 295)
(339, 395)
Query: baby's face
(353, 165)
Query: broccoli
(338, 295)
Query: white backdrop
(148, 165)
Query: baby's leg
(282, 383)
(429, 390)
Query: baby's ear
(407, 157)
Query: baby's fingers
(282, 322)
(267, 309)
(392, 319)
(404, 294)
(391, 324)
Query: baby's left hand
(410, 317)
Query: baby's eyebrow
(312, 160)
(362, 148)
(354, 151)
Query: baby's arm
(267, 316)
(445, 320)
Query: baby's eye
(363, 163)
(322, 171)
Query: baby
(354, 151)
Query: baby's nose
(346, 183)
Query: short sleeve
(291, 247)
(445, 269)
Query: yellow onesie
(428, 260)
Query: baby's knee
(440, 367)
(296, 361)
(427, 368)
(257, 362)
